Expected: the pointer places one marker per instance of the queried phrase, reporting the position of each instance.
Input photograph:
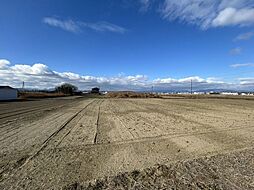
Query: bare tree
(66, 88)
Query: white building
(198, 93)
(8, 93)
(230, 93)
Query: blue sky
(127, 44)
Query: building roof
(7, 87)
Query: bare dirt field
(74, 143)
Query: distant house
(95, 90)
(8, 93)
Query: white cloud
(214, 80)
(145, 5)
(36, 69)
(4, 63)
(242, 65)
(209, 13)
(231, 16)
(234, 3)
(236, 51)
(244, 36)
(164, 81)
(77, 26)
(198, 83)
(187, 80)
(67, 25)
(189, 11)
(104, 27)
(246, 81)
(194, 79)
(41, 76)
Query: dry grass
(25, 95)
(131, 95)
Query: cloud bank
(78, 26)
(41, 76)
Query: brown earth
(234, 170)
(67, 143)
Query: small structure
(230, 93)
(8, 93)
(95, 90)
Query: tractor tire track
(97, 124)
(72, 128)
(20, 128)
(18, 113)
(26, 159)
(45, 143)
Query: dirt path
(102, 137)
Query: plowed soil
(70, 143)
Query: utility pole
(191, 86)
(23, 85)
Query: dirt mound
(131, 95)
(230, 171)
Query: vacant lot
(52, 144)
